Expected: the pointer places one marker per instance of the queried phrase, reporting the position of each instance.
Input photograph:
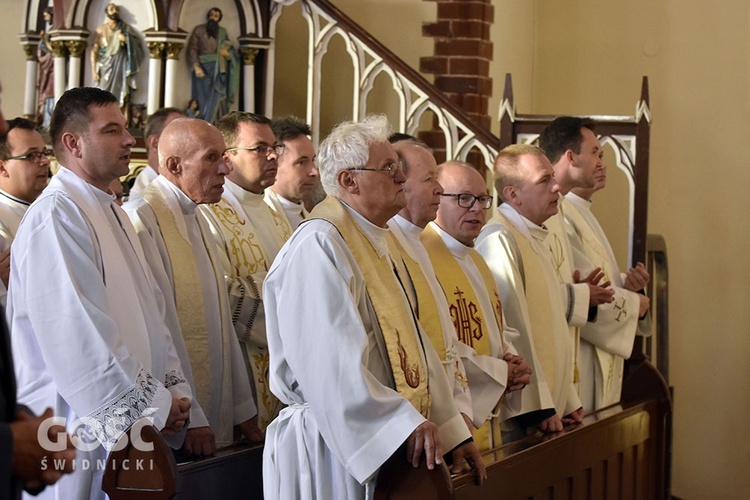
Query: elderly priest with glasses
(360, 381)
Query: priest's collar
(187, 206)
(245, 197)
(286, 203)
(376, 235)
(12, 198)
(458, 249)
(412, 231)
(578, 201)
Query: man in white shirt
(517, 247)
(297, 176)
(178, 245)
(350, 363)
(154, 126)
(576, 155)
(24, 172)
(250, 234)
(86, 316)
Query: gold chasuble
(248, 257)
(395, 317)
(190, 307)
(467, 315)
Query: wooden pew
(618, 452)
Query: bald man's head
(191, 156)
(464, 203)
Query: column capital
(248, 55)
(30, 44)
(156, 49)
(174, 49)
(58, 48)
(76, 47)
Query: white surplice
(408, 235)
(488, 375)
(142, 180)
(329, 364)
(87, 322)
(608, 340)
(12, 210)
(506, 260)
(229, 405)
(295, 213)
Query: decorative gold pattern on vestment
(392, 309)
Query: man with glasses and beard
(214, 65)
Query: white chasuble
(249, 234)
(181, 252)
(608, 340)
(517, 252)
(330, 364)
(87, 323)
(295, 213)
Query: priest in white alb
(185, 261)
(475, 304)
(249, 234)
(86, 316)
(516, 244)
(347, 354)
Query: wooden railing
(369, 58)
(619, 452)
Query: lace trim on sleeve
(174, 377)
(109, 421)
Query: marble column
(155, 65)
(75, 49)
(248, 74)
(59, 52)
(32, 68)
(173, 56)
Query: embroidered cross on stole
(468, 317)
(394, 314)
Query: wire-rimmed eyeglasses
(392, 168)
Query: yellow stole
(426, 308)
(540, 306)
(189, 301)
(394, 315)
(247, 256)
(466, 313)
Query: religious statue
(46, 81)
(215, 67)
(115, 56)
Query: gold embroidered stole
(394, 315)
(248, 257)
(426, 308)
(540, 306)
(190, 307)
(467, 315)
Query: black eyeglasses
(391, 168)
(262, 150)
(466, 200)
(34, 156)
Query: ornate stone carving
(156, 49)
(174, 49)
(58, 48)
(248, 55)
(30, 49)
(75, 47)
